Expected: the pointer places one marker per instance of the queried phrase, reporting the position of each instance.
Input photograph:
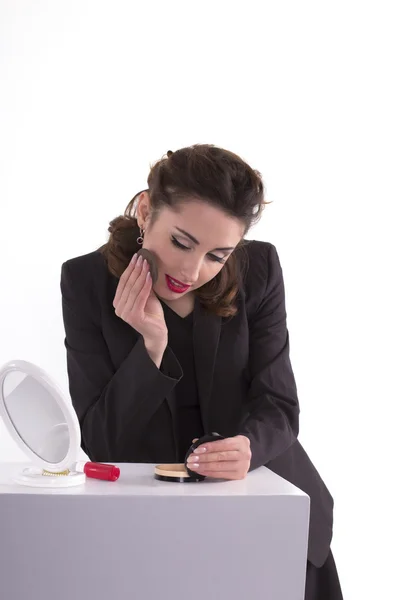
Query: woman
(155, 364)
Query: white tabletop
(142, 538)
(138, 480)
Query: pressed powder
(180, 472)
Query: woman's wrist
(156, 350)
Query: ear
(143, 209)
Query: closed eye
(182, 247)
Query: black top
(188, 416)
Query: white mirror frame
(67, 410)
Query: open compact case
(180, 472)
(45, 427)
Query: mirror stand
(35, 477)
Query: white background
(308, 93)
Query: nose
(190, 270)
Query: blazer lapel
(206, 335)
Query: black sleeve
(272, 410)
(112, 405)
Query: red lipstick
(179, 289)
(98, 470)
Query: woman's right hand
(136, 303)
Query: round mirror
(36, 417)
(42, 423)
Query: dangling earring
(140, 239)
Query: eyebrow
(198, 243)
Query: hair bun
(113, 225)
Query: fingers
(233, 443)
(208, 457)
(223, 459)
(222, 470)
(131, 287)
(139, 292)
(124, 279)
(204, 468)
(145, 292)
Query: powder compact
(180, 472)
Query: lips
(173, 280)
(172, 285)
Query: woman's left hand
(222, 459)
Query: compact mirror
(42, 423)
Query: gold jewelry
(57, 474)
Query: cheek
(165, 262)
(169, 261)
(209, 270)
(165, 258)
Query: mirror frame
(66, 408)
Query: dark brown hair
(207, 173)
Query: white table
(143, 539)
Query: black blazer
(125, 404)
